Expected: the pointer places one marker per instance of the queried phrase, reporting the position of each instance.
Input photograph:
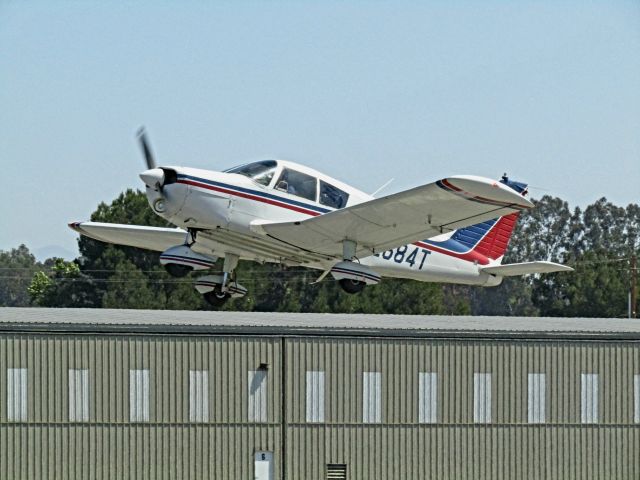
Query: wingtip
(484, 190)
(561, 268)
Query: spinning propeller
(154, 177)
(146, 150)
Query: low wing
(526, 268)
(151, 238)
(401, 218)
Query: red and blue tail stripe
(480, 243)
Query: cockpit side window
(297, 183)
(260, 172)
(332, 196)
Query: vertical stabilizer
(486, 242)
(494, 244)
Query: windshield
(260, 172)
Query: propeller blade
(146, 150)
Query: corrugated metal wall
(455, 446)
(109, 446)
(395, 445)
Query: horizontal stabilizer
(526, 268)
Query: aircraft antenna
(385, 185)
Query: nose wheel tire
(351, 286)
(216, 298)
(176, 270)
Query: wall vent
(336, 471)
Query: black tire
(351, 286)
(177, 270)
(216, 298)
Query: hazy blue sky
(546, 91)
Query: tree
(598, 243)
(63, 285)
(128, 287)
(17, 266)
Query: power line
(276, 269)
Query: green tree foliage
(63, 285)
(128, 287)
(598, 244)
(17, 266)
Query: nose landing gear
(212, 289)
(217, 289)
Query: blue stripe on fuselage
(257, 193)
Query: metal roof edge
(301, 331)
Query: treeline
(598, 242)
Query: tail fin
(486, 241)
(489, 238)
(493, 244)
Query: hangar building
(163, 394)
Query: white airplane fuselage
(227, 209)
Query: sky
(547, 91)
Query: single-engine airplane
(453, 230)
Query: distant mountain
(50, 251)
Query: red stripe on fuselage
(250, 197)
(471, 256)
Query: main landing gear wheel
(351, 286)
(177, 270)
(216, 297)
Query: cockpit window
(297, 183)
(332, 196)
(260, 172)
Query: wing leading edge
(151, 238)
(401, 218)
